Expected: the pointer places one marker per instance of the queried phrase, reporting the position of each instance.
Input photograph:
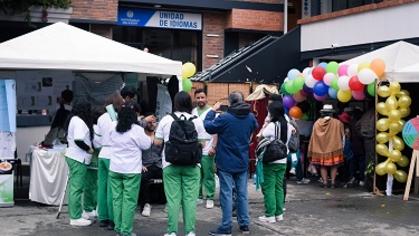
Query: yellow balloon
(382, 124)
(363, 65)
(403, 162)
(394, 115)
(188, 70)
(391, 103)
(400, 176)
(402, 122)
(395, 127)
(391, 168)
(382, 137)
(383, 91)
(381, 169)
(395, 155)
(404, 112)
(382, 150)
(344, 96)
(403, 92)
(382, 108)
(394, 88)
(398, 144)
(404, 101)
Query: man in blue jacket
(234, 129)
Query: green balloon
(371, 89)
(288, 86)
(334, 84)
(332, 67)
(299, 82)
(186, 85)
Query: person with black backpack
(182, 135)
(275, 161)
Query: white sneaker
(80, 222)
(171, 234)
(292, 171)
(266, 219)
(191, 234)
(89, 215)
(279, 218)
(146, 210)
(210, 204)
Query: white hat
(327, 108)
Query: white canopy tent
(401, 59)
(65, 47)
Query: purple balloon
(307, 90)
(288, 101)
(320, 98)
(320, 89)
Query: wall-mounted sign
(159, 19)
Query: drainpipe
(285, 16)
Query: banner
(8, 105)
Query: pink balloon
(358, 95)
(343, 70)
(303, 93)
(320, 98)
(298, 97)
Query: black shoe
(111, 225)
(245, 229)
(219, 233)
(103, 223)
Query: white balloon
(343, 82)
(307, 71)
(352, 70)
(328, 77)
(310, 81)
(366, 76)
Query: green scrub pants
(125, 189)
(90, 190)
(76, 187)
(104, 192)
(207, 189)
(181, 187)
(272, 188)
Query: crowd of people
(114, 152)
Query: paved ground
(310, 210)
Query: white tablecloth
(48, 175)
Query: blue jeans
(227, 181)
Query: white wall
(386, 24)
(25, 137)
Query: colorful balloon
(328, 78)
(391, 103)
(363, 65)
(334, 84)
(318, 72)
(299, 82)
(382, 124)
(395, 155)
(299, 97)
(310, 81)
(344, 95)
(187, 85)
(188, 70)
(295, 112)
(307, 71)
(371, 89)
(382, 150)
(366, 76)
(400, 176)
(383, 91)
(404, 112)
(332, 67)
(320, 89)
(391, 168)
(398, 143)
(288, 101)
(343, 70)
(394, 88)
(293, 74)
(352, 70)
(343, 82)
(381, 169)
(332, 93)
(323, 65)
(403, 162)
(395, 128)
(404, 101)
(394, 115)
(378, 66)
(358, 95)
(403, 92)
(320, 98)
(355, 84)
(382, 137)
(382, 108)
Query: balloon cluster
(395, 107)
(331, 80)
(188, 70)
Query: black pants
(152, 173)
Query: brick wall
(219, 91)
(212, 38)
(101, 10)
(255, 20)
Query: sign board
(159, 19)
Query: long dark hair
(84, 111)
(126, 117)
(277, 112)
(183, 102)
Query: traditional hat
(344, 117)
(327, 108)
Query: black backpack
(183, 147)
(277, 148)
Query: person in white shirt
(274, 172)
(104, 127)
(127, 141)
(78, 156)
(207, 189)
(181, 183)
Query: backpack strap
(279, 128)
(174, 116)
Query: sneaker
(245, 229)
(270, 219)
(219, 233)
(89, 215)
(80, 222)
(210, 204)
(279, 218)
(171, 234)
(292, 171)
(303, 181)
(146, 210)
(191, 234)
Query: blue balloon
(323, 64)
(293, 73)
(332, 93)
(320, 89)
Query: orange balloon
(296, 112)
(378, 66)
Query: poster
(7, 105)
(7, 145)
(6, 190)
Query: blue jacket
(234, 129)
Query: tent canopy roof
(61, 46)
(401, 59)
